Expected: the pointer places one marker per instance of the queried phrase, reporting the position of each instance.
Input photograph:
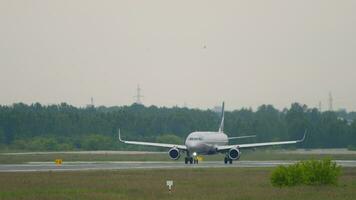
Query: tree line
(65, 127)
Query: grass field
(246, 155)
(202, 184)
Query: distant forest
(39, 127)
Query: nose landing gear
(196, 160)
(191, 160)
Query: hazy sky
(247, 53)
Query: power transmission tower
(319, 106)
(138, 95)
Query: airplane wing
(241, 137)
(180, 147)
(252, 145)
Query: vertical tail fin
(221, 128)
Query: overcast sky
(247, 53)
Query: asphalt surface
(85, 152)
(297, 151)
(82, 166)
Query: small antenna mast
(138, 95)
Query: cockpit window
(193, 138)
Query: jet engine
(234, 154)
(174, 153)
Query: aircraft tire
(195, 161)
(225, 160)
(230, 161)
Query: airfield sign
(58, 162)
(169, 184)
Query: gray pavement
(85, 152)
(339, 151)
(82, 166)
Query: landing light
(195, 154)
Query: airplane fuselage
(204, 143)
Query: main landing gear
(227, 160)
(188, 160)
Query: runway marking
(125, 165)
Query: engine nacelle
(174, 153)
(234, 154)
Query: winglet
(120, 136)
(305, 133)
(221, 128)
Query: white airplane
(207, 143)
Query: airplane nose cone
(192, 146)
